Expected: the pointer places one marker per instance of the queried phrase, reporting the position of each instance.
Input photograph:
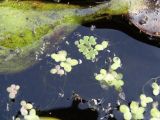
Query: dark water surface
(140, 63)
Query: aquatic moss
(36, 5)
(24, 38)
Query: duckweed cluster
(111, 77)
(57, 70)
(155, 113)
(132, 112)
(135, 111)
(27, 111)
(13, 91)
(65, 62)
(89, 47)
(156, 88)
(145, 100)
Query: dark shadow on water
(122, 23)
(71, 113)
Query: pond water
(48, 92)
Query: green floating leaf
(53, 71)
(103, 72)
(111, 78)
(137, 112)
(145, 100)
(65, 62)
(67, 67)
(116, 64)
(118, 84)
(126, 112)
(89, 47)
(92, 40)
(60, 56)
(72, 62)
(99, 77)
(155, 113)
(63, 53)
(156, 88)
(124, 108)
(104, 44)
(99, 47)
(127, 116)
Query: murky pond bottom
(48, 92)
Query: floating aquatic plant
(13, 90)
(65, 62)
(156, 88)
(155, 114)
(89, 47)
(111, 77)
(137, 111)
(25, 107)
(57, 70)
(134, 112)
(32, 115)
(116, 63)
(27, 111)
(60, 56)
(145, 100)
(126, 112)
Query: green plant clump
(111, 77)
(89, 47)
(145, 100)
(133, 112)
(136, 110)
(156, 88)
(65, 62)
(155, 114)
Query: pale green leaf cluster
(126, 112)
(32, 115)
(57, 70)
(60, 56)
(116, 63)
(137, 111)
(145, 100)
(111, 78)
(65, 62)
(156, 88)
(89, 47)
(134, 112)
(155, 114)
